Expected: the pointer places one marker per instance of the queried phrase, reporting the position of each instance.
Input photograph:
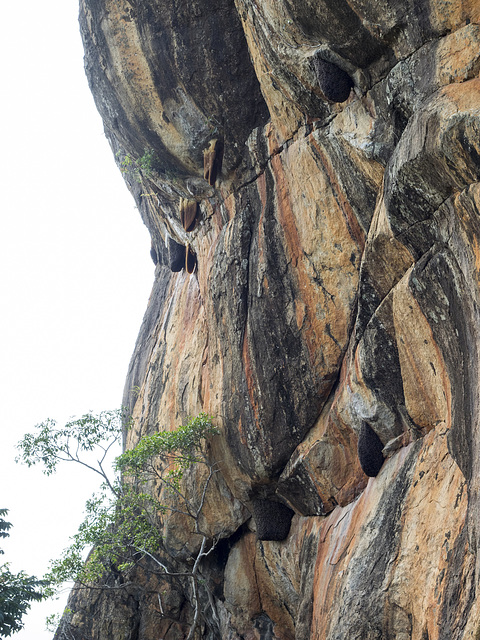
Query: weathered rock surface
(336, 285)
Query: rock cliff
(309, 172)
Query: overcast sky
(75, 273)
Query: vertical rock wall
(335, 293)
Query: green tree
(17, 590)
(122, 525)
(164, 457)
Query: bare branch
(204, 492)
(185, 574)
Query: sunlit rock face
(333, 149)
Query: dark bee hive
(272, 519)
(334, 83)
(176, 255)
(370, 451)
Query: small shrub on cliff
(142, 167)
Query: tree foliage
(121, 526)
(115, 531)
(142, 167)
(17, 590)
(4, 526)
(90, 433)
(166, 455)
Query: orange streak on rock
(285, 213)
(243, 439)
(293, 248)
(353, 226)
(334, 541)
(425, 379)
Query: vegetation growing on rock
(123, 521)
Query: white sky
(75, 273)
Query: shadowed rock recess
(309, 172)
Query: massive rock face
(334, 293)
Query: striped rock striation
(333, 296)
